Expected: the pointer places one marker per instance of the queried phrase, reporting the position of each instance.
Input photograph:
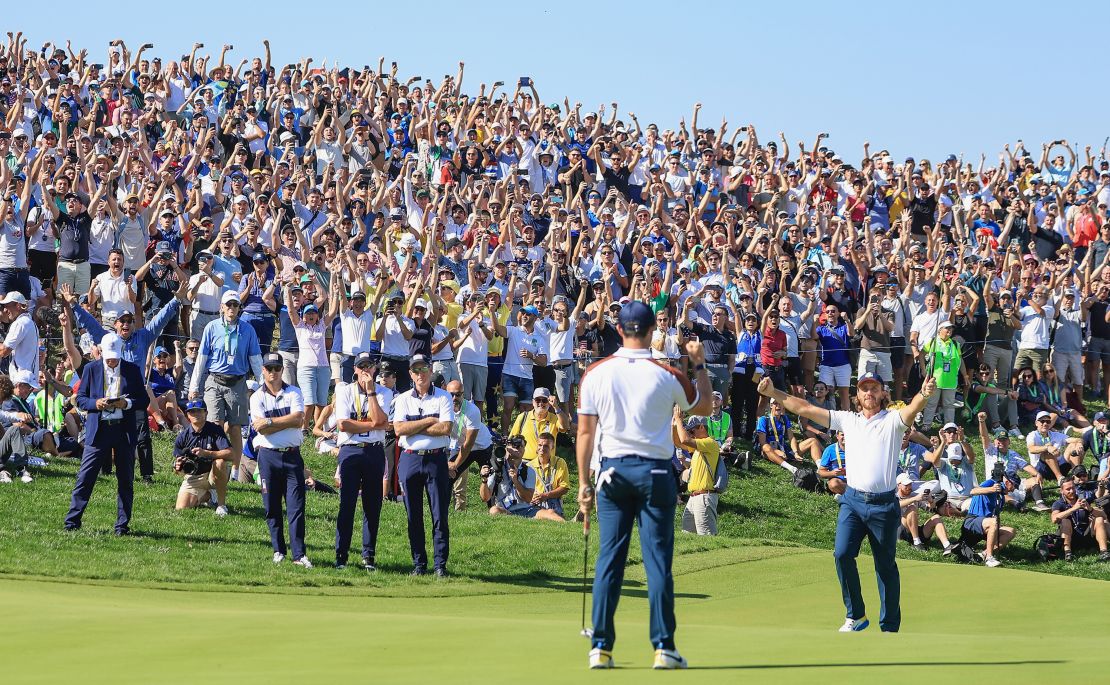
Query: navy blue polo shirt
(210, 437)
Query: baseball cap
(419, 360)
(945, 324)
(904, 479)
(259, 257)
(955, 452)
(14, 297)
(163, 248)
(530, 310)
(365, 359)
(695, 421)
(27, 377)
(160, 350)
(111, 346)
(422, 303)
(869, 377)
(230, 296)
(541, 392)
(1101, 416)
(1043, 415)
(718, 395)
(636, 317)
(194, 405)
(272, 360)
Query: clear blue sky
(921, 79)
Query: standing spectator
(998, 354)
(943, 361)
(834, 339)
(1036, 322)
(525, 346)
(21, 344)
(700, 515)
(719, 342)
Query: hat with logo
(272, 360)
(196, 405)
(637, 318)
(365, 359)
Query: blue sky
(922, 79)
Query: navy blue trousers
(875, 516)
(92, 461)
(283, 476)
(635, 489)
(419, 473)
(263, 326)
(361, 468)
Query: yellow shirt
(556, 474)
(497, 344)
(703, 465)
(451, 315)
(530, 427)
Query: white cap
(1043, 415)
(14, 297)
(422, 303)
(949, 426)
(955, 452)
(26, 376)
(111, 346)
(239, 198)
(904, 479)
(229, 296)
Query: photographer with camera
(1003, 461)
(1079, 522)
(982, 522)
(911, 504)
(509, 484)
(199, 444)
(955, 465)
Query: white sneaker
(278, 557)
(839, 499)
(1041, 506)
(26, 476)
(992, 562)
(221, 511)
(303, 561)
(600, 658)
(854, 625)
(1015, 433)
(5, 477)
(668, 660)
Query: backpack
(1049, 547)
(806, 479)
(965, 553)
(720, 476)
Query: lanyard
(548, 480)
(1053, 397)
(904, 459)
(460, 420)
(775, 430)
(1033, 391)
(359, 399)
(229, 333)
(839, 456)
(108, 392)
(1094, 443)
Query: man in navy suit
(111, 389)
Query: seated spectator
(700, 474)
(832, 466)
(1079, 522)
(774, 436)
(912, 530)
(1097, 442)
(164, 387)
(197, 447)
(981, 524)
(1051, 452)
(552, 478)
(911, 457)
(984, 395)
(15, 398)
(1031, 398)
(824, 399)
(955, 464)
(511, 489)
(1014, 466)
(1056, 400)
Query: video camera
(195, 466)
(998, 472)
(935, 499)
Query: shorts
(793, 366)
(197, 485)
(527, 511)
(973, 532)
(565, 378)
(1099, 348)
(474, 381)
(777, 374)
(314, 381)
(448, 369)
(515, 386)
(835, 376)
(227, 404)
(1045, 471)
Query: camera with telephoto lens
(998, 473)
(935, 499)
(195, 466)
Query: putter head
(587, 633)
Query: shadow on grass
(630, 588)
(881, 664)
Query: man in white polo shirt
(423, 418)
(362, 415)
(276, 412)
(869, 505)
(629, 398)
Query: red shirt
(773, 341)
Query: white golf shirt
(874, 445)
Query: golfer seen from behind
(869, 505)
(628, 399)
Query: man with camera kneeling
(1079, 522)
(198, 446)
(912, 529)
(509, 484)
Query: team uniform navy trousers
(417, 473)
(875, 516)
(283, 476)
(93, 461)
(641, 490)
(361, 467)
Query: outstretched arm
(794, 405)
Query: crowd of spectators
(341, 209)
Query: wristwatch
(699, 367)
(269, 421)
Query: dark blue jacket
(92, 389)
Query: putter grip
(586, 525)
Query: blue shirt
(229, 348)
(985, 505)
(834, 345)
(748, 344)
(135, 347)
(833, 458)
(910, 460)
(777, 431)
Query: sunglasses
(540, 400)
(420, 369)
(456, 394)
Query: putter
(587, 633)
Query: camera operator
(509, 485)
(199, 444)
(912, 530)
(1078, 521)
(982, 518)
(471, 442)
(997, 453)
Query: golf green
(753, 614)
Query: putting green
(752, 613)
